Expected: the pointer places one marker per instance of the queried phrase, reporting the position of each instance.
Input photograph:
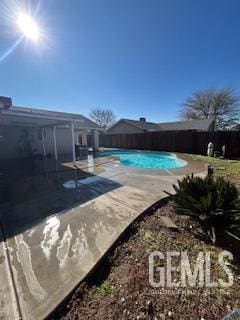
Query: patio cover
(27, 117)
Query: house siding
(211, 127)
(9, 139)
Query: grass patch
(107, 288)
(224, 168)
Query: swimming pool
(146, 159)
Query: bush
(212, 202)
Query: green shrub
(212, 202)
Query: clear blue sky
(136, 57)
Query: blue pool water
(146, 159)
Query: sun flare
(28, 27)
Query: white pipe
(73, 143)
(43, 143)
(95, 140)
(84, 139)
(55, 143)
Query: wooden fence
(176, 141)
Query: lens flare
(28, 26)
(10, 50)
(18, 23)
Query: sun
(28, 26)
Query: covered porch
(47, 134)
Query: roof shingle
(199, 125)
(149, 126)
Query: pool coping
(192, 166)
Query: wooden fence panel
(175, 141)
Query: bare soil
(119, 288)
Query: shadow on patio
(26, 199)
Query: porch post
(95, 140)
(84, 139)
(43, 143)
(55, 143)
(73, 143)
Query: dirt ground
(119, 288)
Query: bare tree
(221, 105)
(103, 117)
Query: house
(235, 127)
(133, 126)
(141, 125)
(189, 125)
(51, 133)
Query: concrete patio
(45, 253)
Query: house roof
(201, 125)
(40, 117)
(236, 127)
(146, 126)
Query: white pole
(73, 143)
(43, 143)
(95, 140)
(55, 143)
(84, 139)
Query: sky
(140, 58)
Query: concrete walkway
(42, 259)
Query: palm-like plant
(212, 202)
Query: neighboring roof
(236, 127)
(146, 126)
(49, 116)
(199, 125)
